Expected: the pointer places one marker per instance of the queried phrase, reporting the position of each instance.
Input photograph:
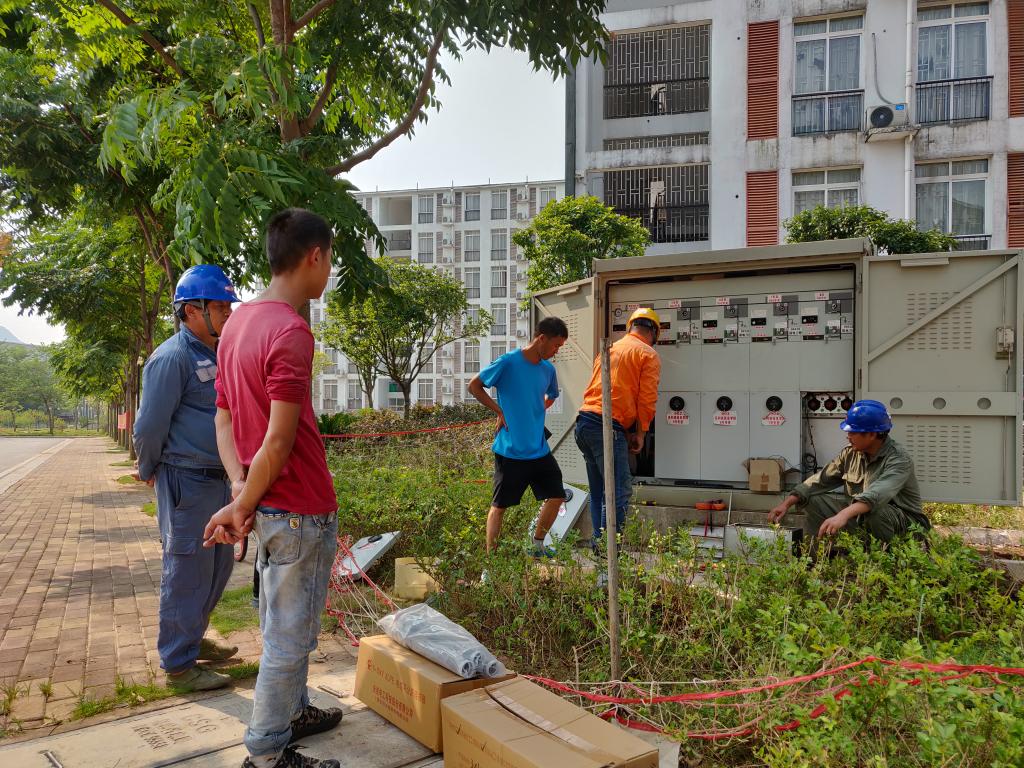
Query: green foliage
(234, 611)
(149, 509)
(564, 239)
(335, 423)
(976, 515)
(29, 392)
(398, 331)
(890, 235)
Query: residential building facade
(467, 232)
(713, 121)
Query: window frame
(499, 254)
(472, 291)
(952, 21)
(499, 326)
(499, 213)
(471, 213)
(826, 186)
(828, 35)
(471, 254)
(949, 179)
(499, 287)
(425, 213)
(420, 253)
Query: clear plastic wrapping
(431, 634)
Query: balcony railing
(828, 112)
(949, 101)
(673, 223)
(972, 242)
(663, 97)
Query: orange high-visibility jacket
(636, 370)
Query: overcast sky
(500, 121)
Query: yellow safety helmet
(645, 313)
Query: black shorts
(512, 476)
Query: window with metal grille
(833, 188)
(953, 82)
(425, 251)
(472, 279)
(471, 247)
(657, 142)
(827, 94)
(499, 282)
(426, 209)
(499, 245)
(951, 197)
(499, 204)
(472, 210)
(658, 72)
(671, 201)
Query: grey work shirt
(888, 478)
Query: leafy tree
(11, 358)
(891, 235)
(355, 343)
(564, 239)
(401, 332)
(40, 388)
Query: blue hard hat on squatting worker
(867, 416)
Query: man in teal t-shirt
(527, 386)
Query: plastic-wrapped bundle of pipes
(431, 634)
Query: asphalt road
(14, 450)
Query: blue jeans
(295, 557)
(590, 439)
(193, 578)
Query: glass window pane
(808, 178)
(933, 55)
(972, 9)
(802, 28)
(840, 198)
(844, 63)
(810, 66)
(969, 207)
(969, 167)
(844, 176)
(970, 50)
(808, 116)
(804, 201)
(933, 206)
(846, 23)
(930, 14)
(931, 170)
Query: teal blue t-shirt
(522, 387)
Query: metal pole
(609, 510)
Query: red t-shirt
(266, 353)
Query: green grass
(242, 671)
(125, 463)
(149, 508)
(126, 480)
(234, 611)
(976, 515)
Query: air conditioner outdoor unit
(520, 333)
(446, 372)
(447, 199)
(888, 116)
(520, 295)
(521, 216)
(446, 259)
(523, 195)
(446, 219)
(447, 242)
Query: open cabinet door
(940, 346)
(574, 303)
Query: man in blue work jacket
(176, 442)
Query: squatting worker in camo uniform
(267, 436)
(881, 495)
(176, 443)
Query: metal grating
(952, 330)
(763, 80)
(671, 201)
(943, 453)
(657, 142)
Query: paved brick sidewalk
(79, 582)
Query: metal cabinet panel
(677, 436)
(724, 447)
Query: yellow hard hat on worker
(645, 313)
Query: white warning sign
(678, 418)
(774, 298)
(821, 295)
(773, 419)
(725, 418)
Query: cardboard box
(517, 724)
(765, 475)
(411, 581)
(403, 687)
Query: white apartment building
(466, 231)
(715, 120)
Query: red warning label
(774, 419)
(678, 418)
(725, 418)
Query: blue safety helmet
(866, 416)
(205, 282)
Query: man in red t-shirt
(272, 451)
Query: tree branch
(406, 123)
(257, 22)
(151, 41)
(312, 13)
(313, 117)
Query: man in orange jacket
(635, 372)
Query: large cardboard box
(517, 724)
(765, 475)
(411, 581)
(407, 689)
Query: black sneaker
(314, 720)
(292, 759)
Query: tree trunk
(406, 388)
